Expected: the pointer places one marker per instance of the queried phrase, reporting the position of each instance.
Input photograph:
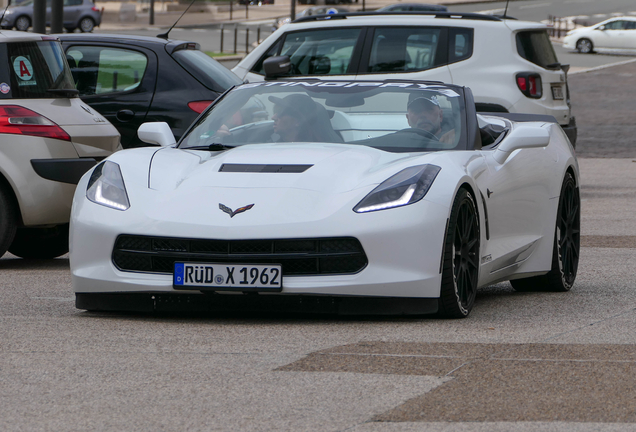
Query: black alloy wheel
(567, 244)
(568, 234)
(460, 269)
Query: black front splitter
(168, 302)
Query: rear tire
(567, 243)
(584, 46)
(40, 243)
(8, 219)
(460, 269)
(22, 23)
(86, 25)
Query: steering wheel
(422, 132)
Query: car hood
(327, 168)
(307, 182)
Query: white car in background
(48, 139)
(614, 34)
(509, 65)
(390, 197)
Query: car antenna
(5, 11)
(165, 35)
(506, 10)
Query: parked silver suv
(510, 65)
(48, 139)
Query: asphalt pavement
(521, 361)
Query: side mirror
(600, 27)
(522, 137)
(275, 67)
(156, 133)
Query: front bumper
(403, 247)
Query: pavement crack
(588, 325)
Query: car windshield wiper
(211, 147)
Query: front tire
(40, 243)
(86, 25)
(567, 244)
(460, 269)
(22, 23)
(8, 219)
(584, 46)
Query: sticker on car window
(5, 88)
(24, 70)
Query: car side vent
(254, 168)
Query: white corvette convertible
(342, 197)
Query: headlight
(406, 187)
(106, 187)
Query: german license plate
(241, 277)
(557, 92)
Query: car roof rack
(436, 14)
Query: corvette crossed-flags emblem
(229, 211)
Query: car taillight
(199, 106)
(530, 84)
(95, 9)
(18, 120)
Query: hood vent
(254, 168)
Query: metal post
(152, 12)
(247, 39)
(222, 32)
(235, 36)
(292, 14)
(247, 6)
(258, 35)
(39, 16)
(57, 16)
(231, 3)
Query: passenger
(425, 114)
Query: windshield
(392, 116)
(38, 67)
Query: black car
(132, 79)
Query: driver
(425, 114)
(297, 118)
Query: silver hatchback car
(48, 139)
(82, 14)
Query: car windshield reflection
(392, 116)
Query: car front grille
(298, 257)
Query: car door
(516, 196)
(334, 52)
(118, 82)
(72, 11)
(630, 35)
(405, 50)
(610, 35)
